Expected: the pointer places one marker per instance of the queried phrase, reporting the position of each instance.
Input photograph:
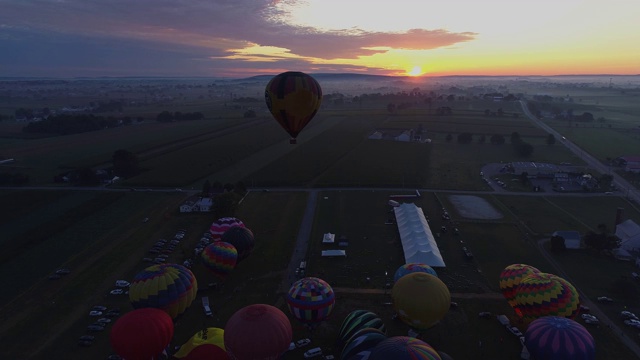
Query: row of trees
(71, 124)
(167, 116)
(597, 241)
(522, 148)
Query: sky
(242, 38)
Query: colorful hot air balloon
(558, 338)
(355, 321)
(169, 287)
(411, 268)
(542, 294)
(242, 239)
(257, 331)
(223, 224)
(420, 299)
(510, 278)
(403, 347)
(141, 334)
(362, 343)
(293, 98)
(205, 344)
(310, 300)
(220, 257)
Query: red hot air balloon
(141, 334)
(293, 98)
(257, 331)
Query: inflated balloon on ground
(420, 300)
(558, 338)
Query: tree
(500, 112)
(85, 176)
(465, 138)
(125, 163)
(391, 107)
(515, 137)
(523, 149)
(240, 188)
(551, 139)
(557, 243)
(497, 139)
(482, 139)
(524, 178)
(206, 188)
(449, 138)
(225, 204)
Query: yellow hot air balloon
(420, 299)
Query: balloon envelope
(510, 278)
(220, 258)
(204, 345)
(362, 341)
(141, 334)
(404, 347)
(310, 300)
(293, 98)
(420, 299)
(241, 238)
(411, 268)
(543, 294)
(558, 338)
(356, 321)
(169, 287)
(257, 331)
(223, 224)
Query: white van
(312, 353)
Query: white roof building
(629, 234)
(329, 238)
(418, 242)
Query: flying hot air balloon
(293, 98)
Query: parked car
(628, 315)
(94, 328)
(104, 320)
(514, 330)
(633, 323)
(292, 346)
(116, 292)
(303, 342)
(87, 337)
(95, 313)
(485, 314)
(154, 251)
(54, 277)
(584, 309)
(63, 271)
(114, 357)
(311, 353)
(112, 314)
(85, 343)
(122, 283)
(605, 299)
(99, 308)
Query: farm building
(629, 234)
(328, 238)
(418, 243)
(572, 239)
(629, 163)
(196, 204)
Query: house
(377, 135)
(572, 239)
(629, 234)
(406, 135)
(328, 238)
(196, 204)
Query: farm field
(100, 236)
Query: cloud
(239, 30)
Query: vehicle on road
(605, 299)
(311, 353)
(62, 271)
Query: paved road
(620, 182)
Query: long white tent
(418, 242)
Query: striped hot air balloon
(362, 343)
(169, 287)
(411, 268)
(311, 300)
(223, 224)
(220, 258)
(558, 338)
(542, 294)
(404, 347)
(510, 278)
(356, 321)
(293, 98)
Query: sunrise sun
(416, 71)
